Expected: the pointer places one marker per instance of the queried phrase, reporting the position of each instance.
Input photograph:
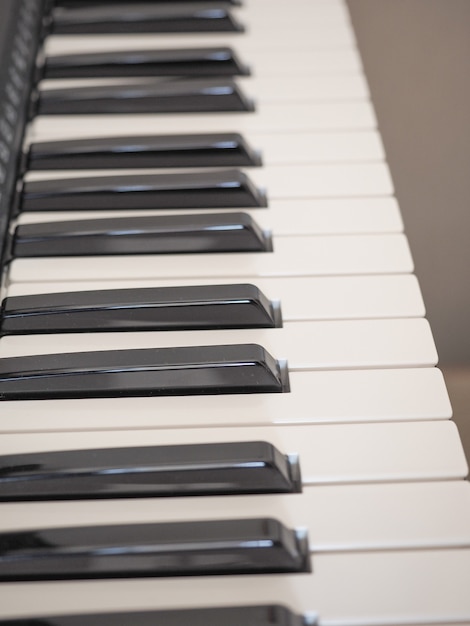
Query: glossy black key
(221, 61)
(195, 370)
(143, 17)
(202, 190)
(158, 151)
(201, 95)
(143, 472)
(162, 234)
(265, 615)
(83, 3)
(158, 308)
(244, 546)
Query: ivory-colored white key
(318, 147)
(317, 397)
(260, 14)
(292, 256)
(424, 587)
(292, 148)
(262, 62)
(329, 180)
(306, 345)
(268, 118)
(306, 298)
(331, 454)
(347, 87)
(274, 62)
(296, 181)
(337, 518)
(327, 35)
(327, 216)
(264, 89)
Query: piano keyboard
(192, 430)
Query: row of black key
(233, 232)
(242, 546)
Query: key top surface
(200, 370)
(269, 615)
(217, 61)
(211, 306)
(241, 546)
(144, 18)
(226, 188)
(223, 149)
(225, 468)
(166, 234)
(184, 96)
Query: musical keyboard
(376, 525)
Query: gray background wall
(417, 58)
(416, 54)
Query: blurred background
(416, 55)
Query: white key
(330, 454)
(320, 397)
(289, 148)
(274, 62)
(283, 182)
(292, 256)
(329, 180)
(329, 42)
(263, 89)
(338, 518)
(318, 147)
(335, 297)
(269, 14)
(296, 89)
(421, 587)
(306, 345)
(327, 216)
(300, 117)
(262, 62)
(307, 37)
(296, 181)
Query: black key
(160, 151)
(181, 17)
(165, 96)
(209, 189)
(162, 234)
(268, 615)
(244, 546)
(160, 308)
(184, 470)
(195, 370)
(221, 61)
(82, 3)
